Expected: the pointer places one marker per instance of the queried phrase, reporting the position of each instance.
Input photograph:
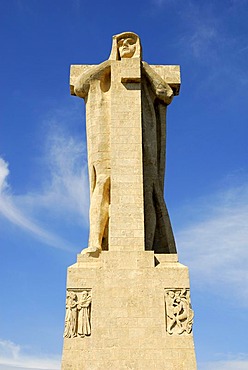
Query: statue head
(171, 294)
(126, 45)
(84, 294)
(73, 296)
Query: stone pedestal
(129, 313)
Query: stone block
(128, 313)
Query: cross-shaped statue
(126, 101)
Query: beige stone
(128, 300)
(169, 73)
(126, 101)
(129, 316)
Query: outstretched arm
(162, 90)
(82, 84)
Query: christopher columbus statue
(94, 86)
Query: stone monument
(128, 298)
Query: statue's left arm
(161, 89)
(164, 95)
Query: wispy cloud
(202, 31)
(63, 195)
(201, 39)
(66, 160)
(238, 362)
(16, 216)
(4, 171)
(160, 3)
(243, 49)
(12, 357)
(215, 243)
(76, 4)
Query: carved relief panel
(179, 313)
(78, 313)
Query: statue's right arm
(82, 83)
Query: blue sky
(43, 168)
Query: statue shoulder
(96, 72)
(160, 87)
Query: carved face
(84, 295)
(127, 47)
(171, 294)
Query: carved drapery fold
(78, 313)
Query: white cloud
(65, 157)
(203, 36)
(202, 33)
(224, 365)
(16, 216)
(4, 171)
(65, 185)
(12, 357)
(64, 194)
(215, 244)
(9, 349)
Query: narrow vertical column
(126, 224)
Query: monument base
(140, 314)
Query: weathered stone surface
(128, 316)
(169, 73)
(128, 298)
(126, 102)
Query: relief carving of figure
(84, 314)
(178, 311)
(71, 316)
(94, 86)
(77, 316)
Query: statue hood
(114, 55)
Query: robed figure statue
(94, 86)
